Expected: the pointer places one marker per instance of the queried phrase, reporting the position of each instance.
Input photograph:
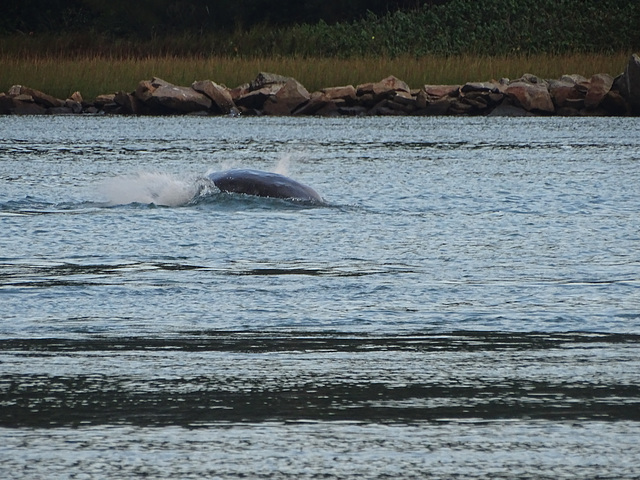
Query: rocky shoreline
(271, 94)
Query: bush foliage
(453, 27)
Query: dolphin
(263, 184)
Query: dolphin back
(263, 184)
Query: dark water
(465, 305)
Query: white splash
(282, 166)
(149, 187)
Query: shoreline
(273, 94)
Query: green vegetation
(492, 27)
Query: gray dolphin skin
(263, 184)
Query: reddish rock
(437, 107)
(144, 90)
(219, 95)
(129, 103)
(255, 100)
(287, 99)
(599, 86)
(239, 91)
(533, 97)
(431, 93)
(102, 100)
(347, 93)
(563, 90)
(76, 97)
(178, 99)
(317, 101)
(383, 88)
(41, 98)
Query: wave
(146, 188)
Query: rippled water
(465, 305)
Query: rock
(239, 91)
(219, 95)
(264, 79)
(385, 107)
(255, 100)
(575, 103)
(23, 97)
(441, 106)
(573, 78)
(615, 104)
(41, 98)
(317, 102)
(599, 86)
(385, 87)
(27, 108)
(347, 93)
(144, 90)
(629, 83)
(76, 97)
(460, 108)
(439, 91)
(563, 90)
(533, 97)
(405, 99)
(484, 87)
(129, 103)
(432, 93)
(102, 100)
(478, 100)
(507, 110)
(287, 99)
(6, 104)
(75, 107)
(355, 111)
(14, 91)
(158, 82)
(529, 78)
(177, 99)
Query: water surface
(465, 304)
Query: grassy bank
(97, 75)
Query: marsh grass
(94, 75)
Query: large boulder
(6, 104)
(129, 103)
(567, 90)
(219, 95)
(530, 93)
(384, 88)
(255, 99)
(287, 99)
(168, 98)
(42, 99)
(264, 79)
(433, 93)
(629, 83)
(599, 86)
(346, 93)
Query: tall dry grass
(97, 75)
